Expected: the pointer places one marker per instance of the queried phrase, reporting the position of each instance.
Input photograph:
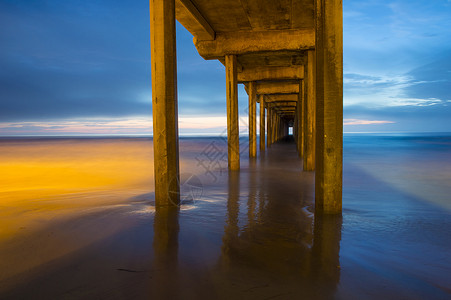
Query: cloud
(347, 122)
(425, 85)
(136, 125)
(432, 80)
(67, 60)
(373, 91)
(62, 60)
(121, 126)
(404, 117)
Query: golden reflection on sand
(55, 181)
(51, 176)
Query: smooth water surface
(77, 220)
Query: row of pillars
(303, 120)
(318, 117)
(277, 124)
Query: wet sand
(85, 225)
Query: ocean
(77, 220)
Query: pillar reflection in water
(231, 229)
(275, 238)
(251, 203)
(326, 250)
(165, 246)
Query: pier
(288, 55)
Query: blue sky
(79, 67)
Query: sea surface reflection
(78, 221)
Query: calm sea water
(77, 221)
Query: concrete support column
(269, 119)
(164, 102)
(252, 120)
(262, 123)
(309, 112)
(329, 106)
(275, 127)
(295, 126)
(232, 113)
(300, 118)
(274, 132)
(272, 125)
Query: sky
(83, 67)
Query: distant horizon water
(219, 134)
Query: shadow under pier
(272, 243)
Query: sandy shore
(249, 235)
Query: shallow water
(77, 221)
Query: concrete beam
(243, 42)
(284, 104)
(284, 110)
(276, 101)
(281, 97)
(275, 59)
(277, 87)
(189, 16)
(270, 73)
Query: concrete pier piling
(329, 106)
(233, 139)
(164, 102)
(310, 112)
(252, 120)
(290, 60)
(262, 123)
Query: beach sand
(77, 220)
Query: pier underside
(289, 56)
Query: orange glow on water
(36, 175)
(62, 165)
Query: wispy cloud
(144, 126)
(364, 122)
(415, 102)
(135, 126)
(89, 63)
